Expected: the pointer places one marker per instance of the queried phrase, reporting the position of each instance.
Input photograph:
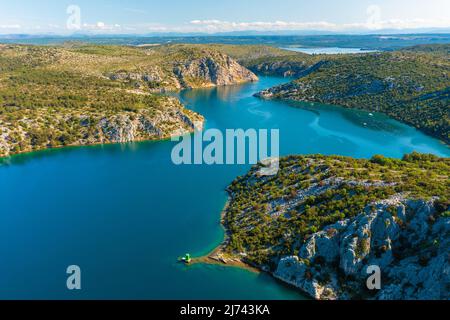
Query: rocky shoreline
(94, 128)
(219, 257)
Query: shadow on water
(106, 149)
(366, 119)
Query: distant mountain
(380, 41)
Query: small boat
(371, 114)
(186, 259)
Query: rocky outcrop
(126, 127)
(88, 94)
(322, 223)
(209, 70)
(378, 82)
(402, 237)
(89, 127)
(214, 70)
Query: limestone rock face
(209, 70)
(401, 237)
(215, 70)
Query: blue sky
(134, 16)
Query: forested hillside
(411, 85)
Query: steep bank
(182, 67)
(49, 128)
(322, 221)
(85, 94)
(411, 85)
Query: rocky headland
(323, 221)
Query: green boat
(186, 259)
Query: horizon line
(384, 32)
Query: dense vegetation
(271, 217)
(411, 85)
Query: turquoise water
(329, 50)
(124, 213)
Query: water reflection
(375, 121)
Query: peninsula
(411, 85)
(322, 221)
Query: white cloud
(158, 29)
(213, 25)
(10, 26)
(102, 27)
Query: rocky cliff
(402, 237)
(207, 70)
(271, 60)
